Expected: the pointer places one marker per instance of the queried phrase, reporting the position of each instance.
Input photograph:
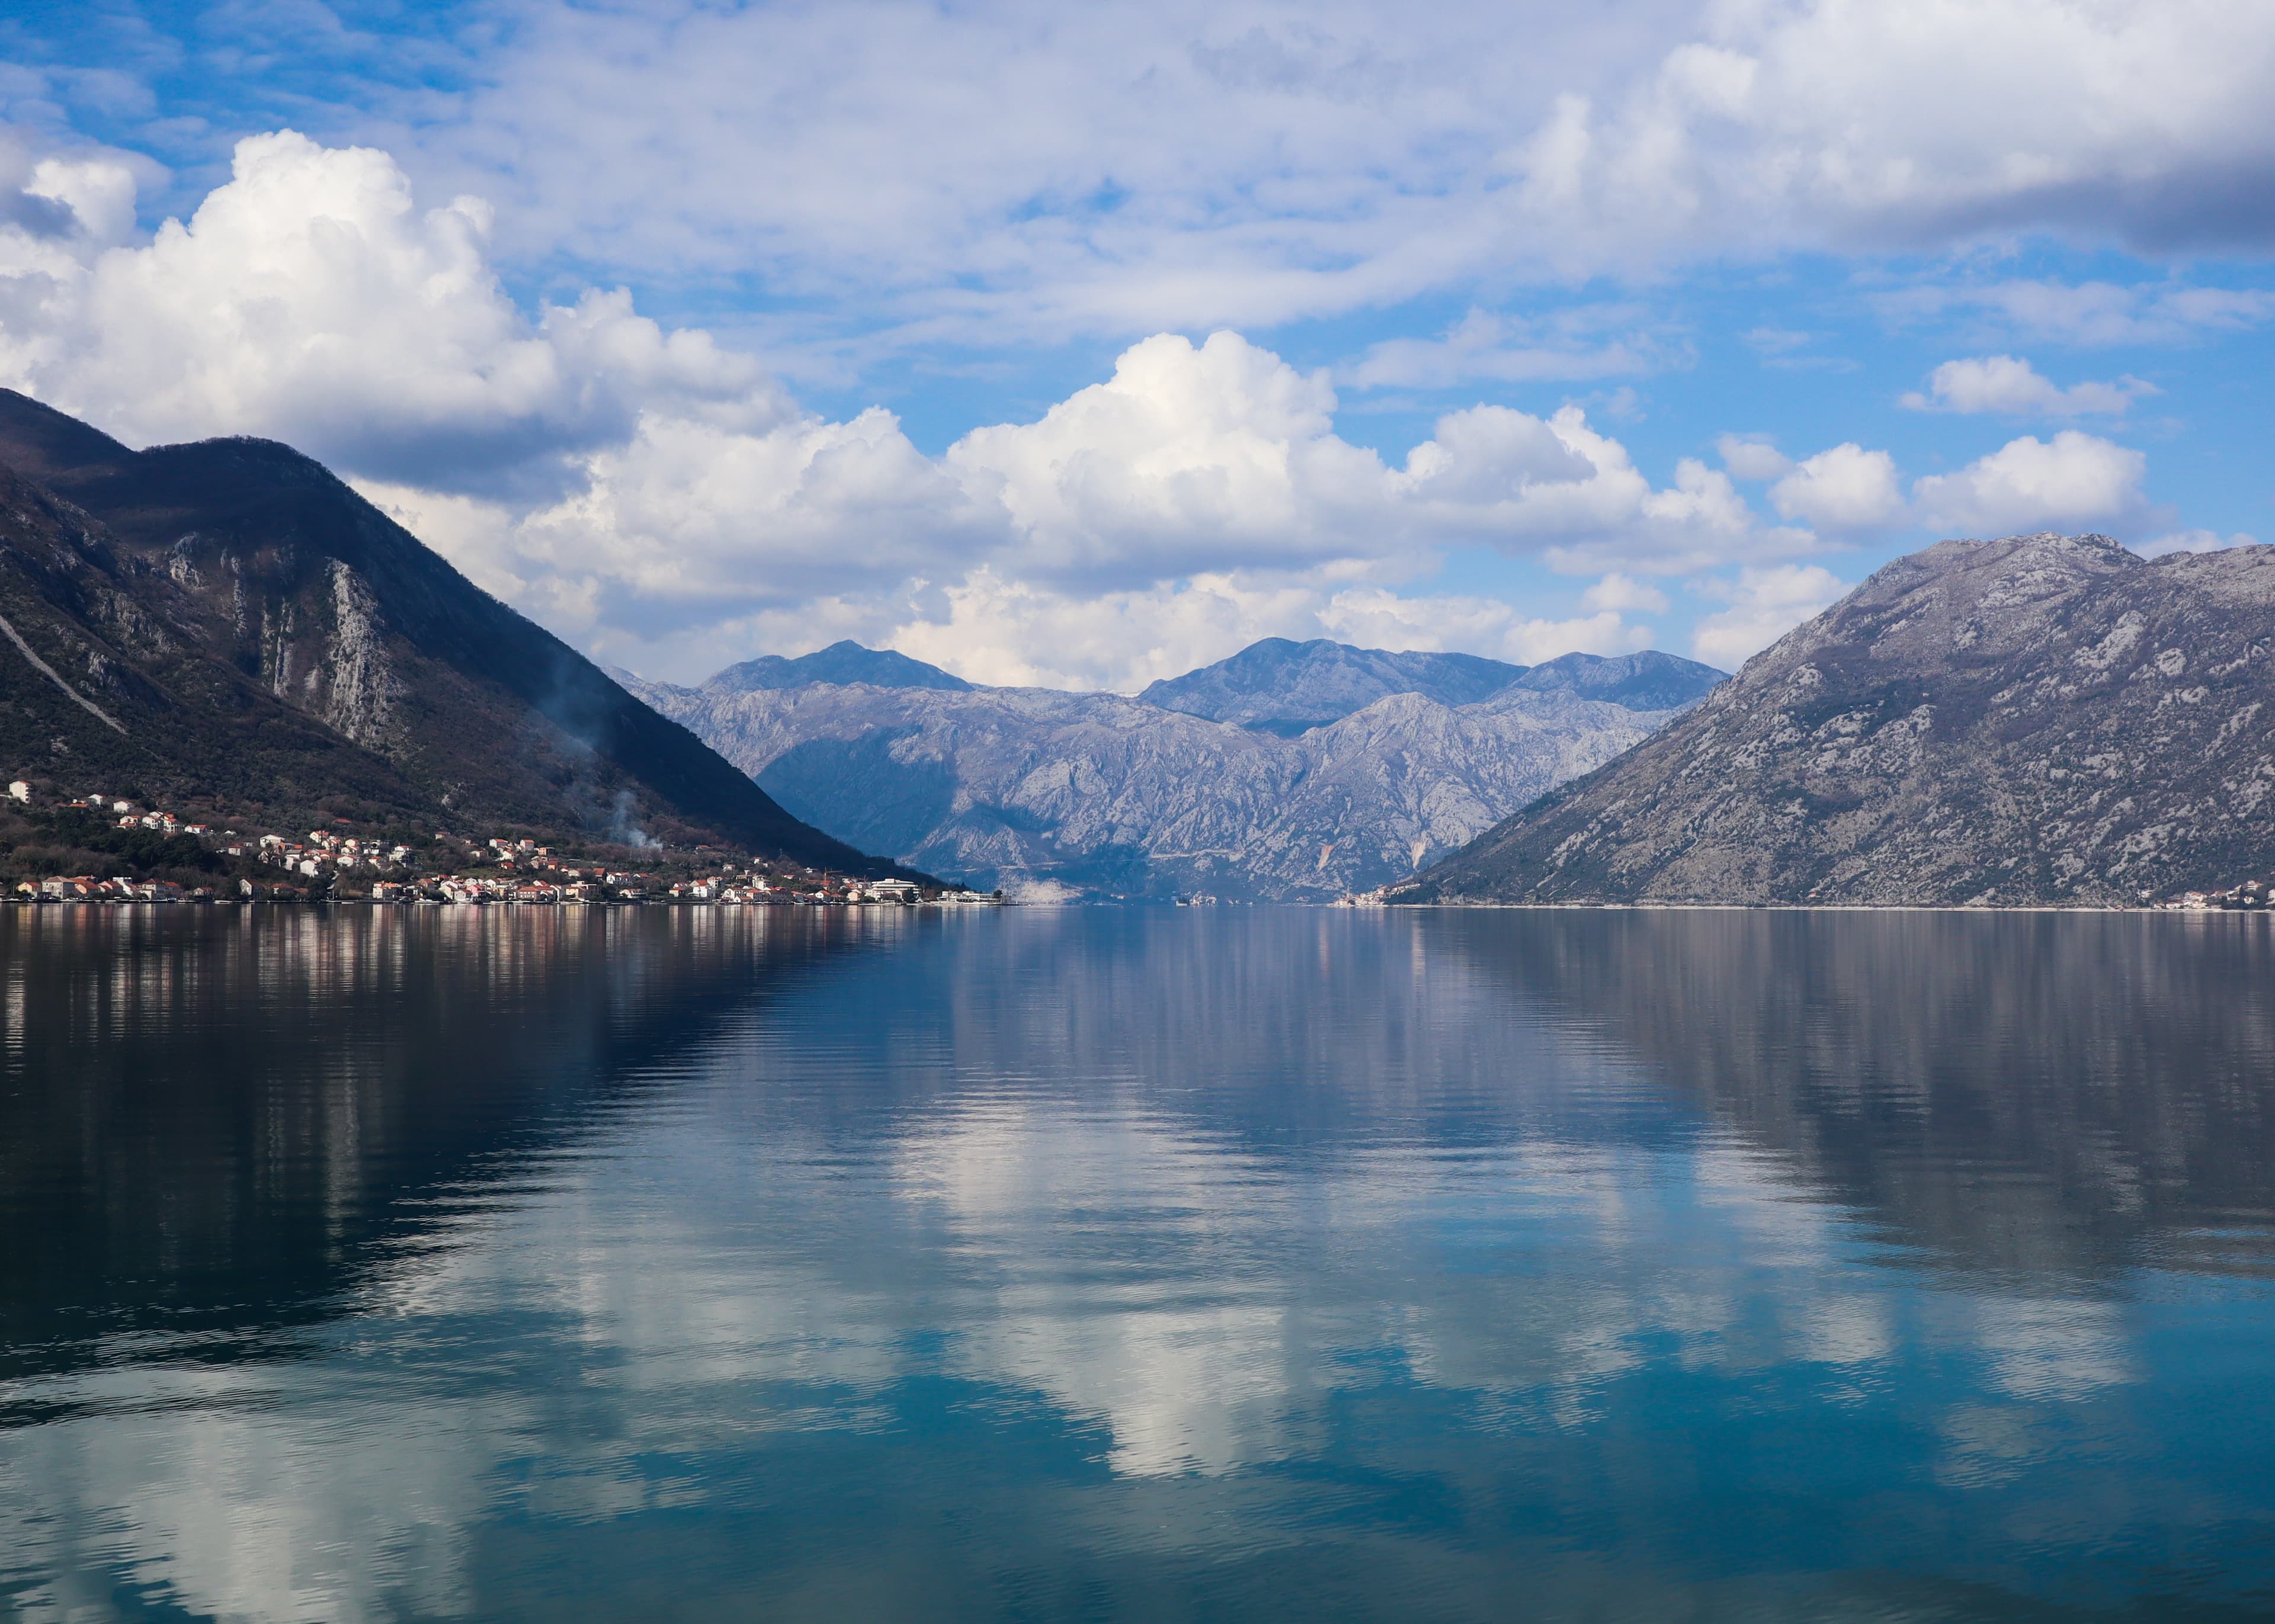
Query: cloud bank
(664, 500)
(1183, 166)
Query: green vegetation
(69, 839)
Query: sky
(1081, 345)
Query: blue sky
(701, 331)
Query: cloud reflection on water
(1262, 1203)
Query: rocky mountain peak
(1286, 688)
(841, 663)
(2035, 719)
(301, 647)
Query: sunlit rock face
(1290, 772)
(2041, 719)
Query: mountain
(1649, 681)
(841, 663)
(227, 621)
(1276, 686)
(100, 687)
(1280, 687)
(2041, 720)
(1102, 794)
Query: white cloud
(1765, 603)
(1752, 457)
(1188, 457)
(1619, 592)
(1215, 460)
(2087, 314)
(2193, 541)
(1837, 123)
(993, 629)
(972, 171)
(1846, 489)
(1371, 616)
(2006, 383)
(308, 300)
(1487, 347)
(2074, 479)
(664, 500)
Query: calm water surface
(1088, 1264)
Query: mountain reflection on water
(1101, 1263)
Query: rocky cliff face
(1103, 794)
(105, 683)
(254, 629)
(2039, 720)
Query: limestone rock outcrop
(2040, 720)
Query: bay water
(1254, 1264)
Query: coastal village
(323, 865)
(2250, 894)
(326, 865)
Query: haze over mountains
(2044, 718)
(226, 621)
(1287, 772)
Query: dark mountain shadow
(2042, 1094)
(215, 1125)
(2024, 1092)
(221, 595)
(873, 801)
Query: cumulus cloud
(2006, 383)
(1765, 603)
(664, 500)
(2074, 480)
(1214, 460)
(1190, 457)
(1372, 616)
(71, 200)
(308, 300)
(1619, 592)
(1846, 489)
(994, 630)
(1752, 457)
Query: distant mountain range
(1283, 688)
(227, 622)
(2044, 718)
(1296, 771)
(839, 664)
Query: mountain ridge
(1106, 793)
(246, 591)
(1283, 687)
(2039, 720)
(841, 663)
